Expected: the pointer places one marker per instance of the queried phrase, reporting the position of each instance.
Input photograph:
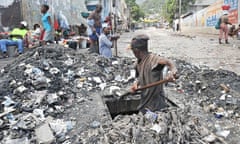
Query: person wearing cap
(224, 27)
(105, 42)
(95, 26)
(17, 37)
(149, 69)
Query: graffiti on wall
(201, 18)
(209, 16)
(233, 12)
(213, 13)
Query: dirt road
(196, 49)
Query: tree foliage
(135, 10)
(153, 6)
(169, 9)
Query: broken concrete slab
(44, 134)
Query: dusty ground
(196, 49)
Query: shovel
(127, 92)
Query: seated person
(82, 29)
(34, 37)
(57, 35)
(232, 31)
(36, 31)
(18, 36)
(238, 31)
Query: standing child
(47, 34)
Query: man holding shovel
(149, 70)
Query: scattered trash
(95, 124)
(39, 113)
(156, 128)
(223, 133)
(28, 122)
(8, 102)
(57, 82)
(52, 98)
(54, 71)
(225, 88)
(151, 116)
(23, 140)
(20, 90)
(211, 138)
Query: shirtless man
(94, 22)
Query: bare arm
(91, 24)
(170, 64)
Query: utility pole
(180, 11)
(115, 6)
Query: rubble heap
(40, 86)
(53, 95)
(212, 89)
(202, 120)
(170, 126)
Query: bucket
(11, 51)
(84, 43)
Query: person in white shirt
(105, 42)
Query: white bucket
(84, 43)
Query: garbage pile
(211, 113)
(170, 126)
(38, 88)
(53, 95)
(217, 91)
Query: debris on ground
(53, 94)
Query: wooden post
(115, 47)
(180, 11)
(115, 29)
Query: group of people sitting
(22, 37)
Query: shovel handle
(152, 84)
(156, 83)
